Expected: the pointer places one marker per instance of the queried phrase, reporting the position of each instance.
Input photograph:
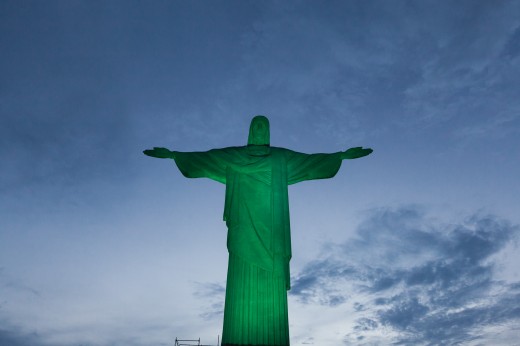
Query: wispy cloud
(213, 294)
(430, 283)
(347, 68)
(469, 75)
(12, 337)
(7, 283)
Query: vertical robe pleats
(255, 312)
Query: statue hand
(355, 153)
(161, 153)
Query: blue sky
(416, 244)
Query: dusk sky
(416, 244)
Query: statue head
(259, 131)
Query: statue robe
(256, 213)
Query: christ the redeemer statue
(256, 213)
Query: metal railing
(193, 342)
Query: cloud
(430, 283)
(13, 285)
(213, 294)
(15, 338)
(468, 78)
(346, 68)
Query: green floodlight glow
(256, 213)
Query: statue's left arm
(301, 167)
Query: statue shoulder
(281, 153)
(279, 150)
(229, 150)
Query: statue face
(259, 131)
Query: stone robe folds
(256, 213)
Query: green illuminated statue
(256, 213)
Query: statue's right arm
(196, 164)
(160, 153)
(355, 153)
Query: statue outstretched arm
(355, 153)
(160, 153)
(210, 164)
